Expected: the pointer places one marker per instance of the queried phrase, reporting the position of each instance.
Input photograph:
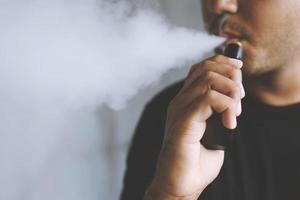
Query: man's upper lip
(229, 34)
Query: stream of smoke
(58, 55)
(90, 51)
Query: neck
(278, 88)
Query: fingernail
(242, 90)
(236, 62)
(239, 109)
(233, 123)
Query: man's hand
(185, 167)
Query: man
(167, 161)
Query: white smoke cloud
(87, 51)
(58, 55)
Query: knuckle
(232, 103)
(236, 92)
(209, 76)
(219, 58)
(210, 95)
(199, 86)
(206, 63)
(232, 72)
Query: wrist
(155, 193)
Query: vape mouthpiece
(234, 50)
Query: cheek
(269, 22)
(273, 25)
(262, 16)
(258, 18)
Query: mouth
(230, 37)
(230, 34)
(221, 26)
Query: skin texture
(269, 31)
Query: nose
(221, 6)
(213, 8)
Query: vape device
(234, 50)
(216, 136)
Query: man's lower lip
(230, 40)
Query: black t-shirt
(261, 164)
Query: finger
(223, 69)
(221, 60)
(229, 118)
(239, 108)
(226, 60)
(196, 114)
(226, 70)
(212, 81)
(203, 107)
(230, 88)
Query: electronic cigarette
(216, 136)
(234, 50)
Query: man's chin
(252, 69)
(254, 61)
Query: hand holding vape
(217, 137)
